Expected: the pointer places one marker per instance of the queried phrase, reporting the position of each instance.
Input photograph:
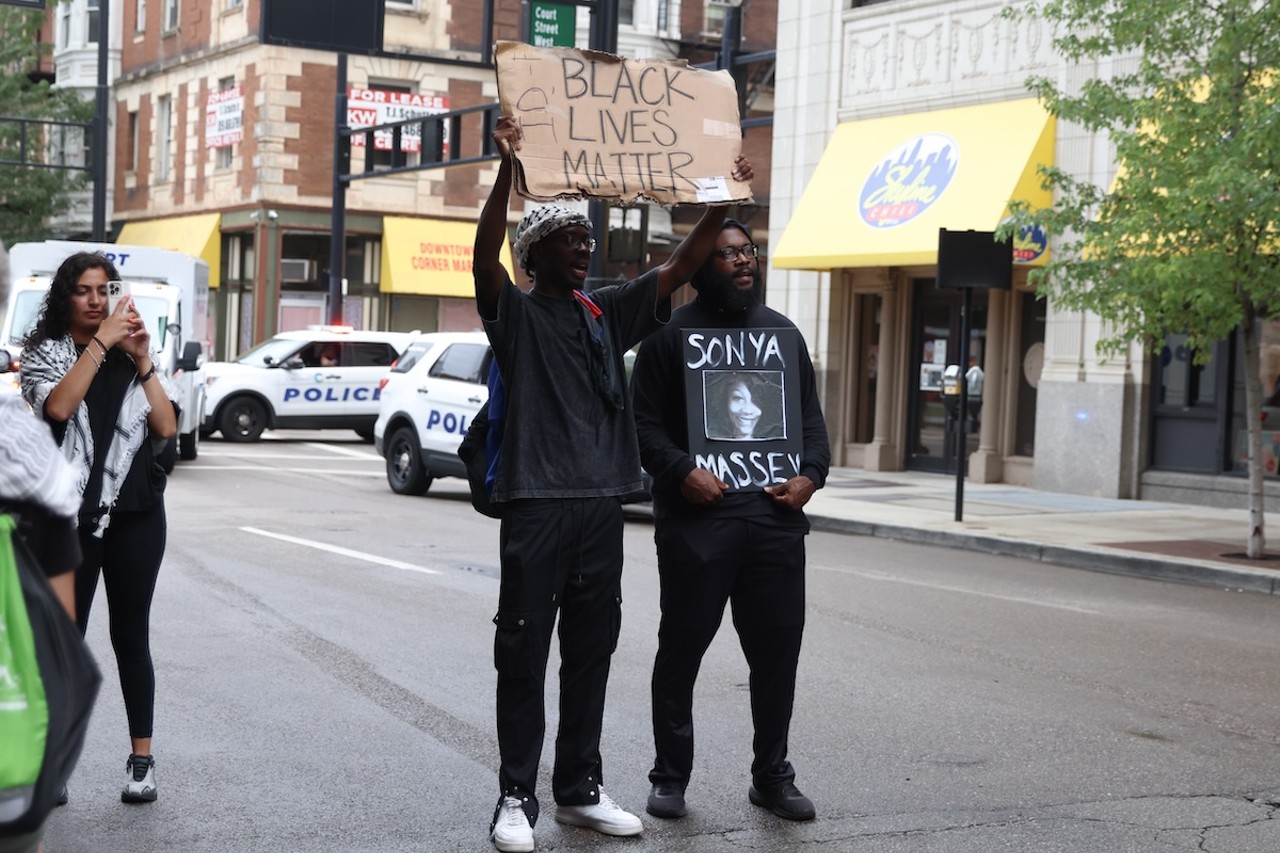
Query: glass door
(932, 429)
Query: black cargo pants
(558, 555)
(758, 568)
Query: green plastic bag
(24, 711)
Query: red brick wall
(201, 94)
(249, 145)
(314, 115)
(465, 31)
(127, 200)
(193, 33)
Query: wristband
(101, 344)
(148, 374)
(93, 357)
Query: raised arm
(694, 248)
(491, 232)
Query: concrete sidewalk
(1165, 541)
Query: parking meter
(951, 390)
(975, 379)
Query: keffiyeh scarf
(42, 370)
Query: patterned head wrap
(541, 222)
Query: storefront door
(935, 339)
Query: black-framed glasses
(731, 253)
(575, 242)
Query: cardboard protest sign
(601, 126)
(742, 393)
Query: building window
(716, 10)
(170, 15)
(164, 132)
(402, 4)
(626, 11)
(140, 16)
(234, 4)
(133, 141)
(64, 24)
(91, 20)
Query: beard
(720, 293)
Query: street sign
(552, 24)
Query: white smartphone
(116, 291)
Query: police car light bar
(335, 329)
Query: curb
(1094, 559)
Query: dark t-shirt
(561, 438)
(662, 421)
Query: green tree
(30, 195)
(1185, 240)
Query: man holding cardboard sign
(568, 457)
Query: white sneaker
(511, 831)
(140, 780)
(605, 816)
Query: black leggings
(128, 556)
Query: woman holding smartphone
(88, 371)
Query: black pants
(128, 556)
(703, 564)
(565, 556)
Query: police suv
(427, 403)
(326, 377)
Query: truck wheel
(243, 419)
(189, 445)
(405, 472)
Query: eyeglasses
(731, 253)
(574, 242)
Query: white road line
(343, 451)
(345, 552)
(294, 456)
(882, 576)
(283, 469)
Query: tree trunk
(1253, 414)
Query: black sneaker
(666, 800)
(785, 801)
(62, 797)
(140, 784)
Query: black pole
(730, 47)
(604, 36)
(101, 125)
(338, 223)
(962, 427)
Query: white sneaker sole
(512, 846)
(571, 819)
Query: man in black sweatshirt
(728, 509)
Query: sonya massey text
(745, 468)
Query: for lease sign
(224, 118)
(373, 107)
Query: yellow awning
(193, 235)
(430, 257)
(885, 186)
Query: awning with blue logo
(885, 186)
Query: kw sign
(551, 24)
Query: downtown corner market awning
(195, 235)
(431, 257)
(885, 186)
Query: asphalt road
(325, 685)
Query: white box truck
(171, 292)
